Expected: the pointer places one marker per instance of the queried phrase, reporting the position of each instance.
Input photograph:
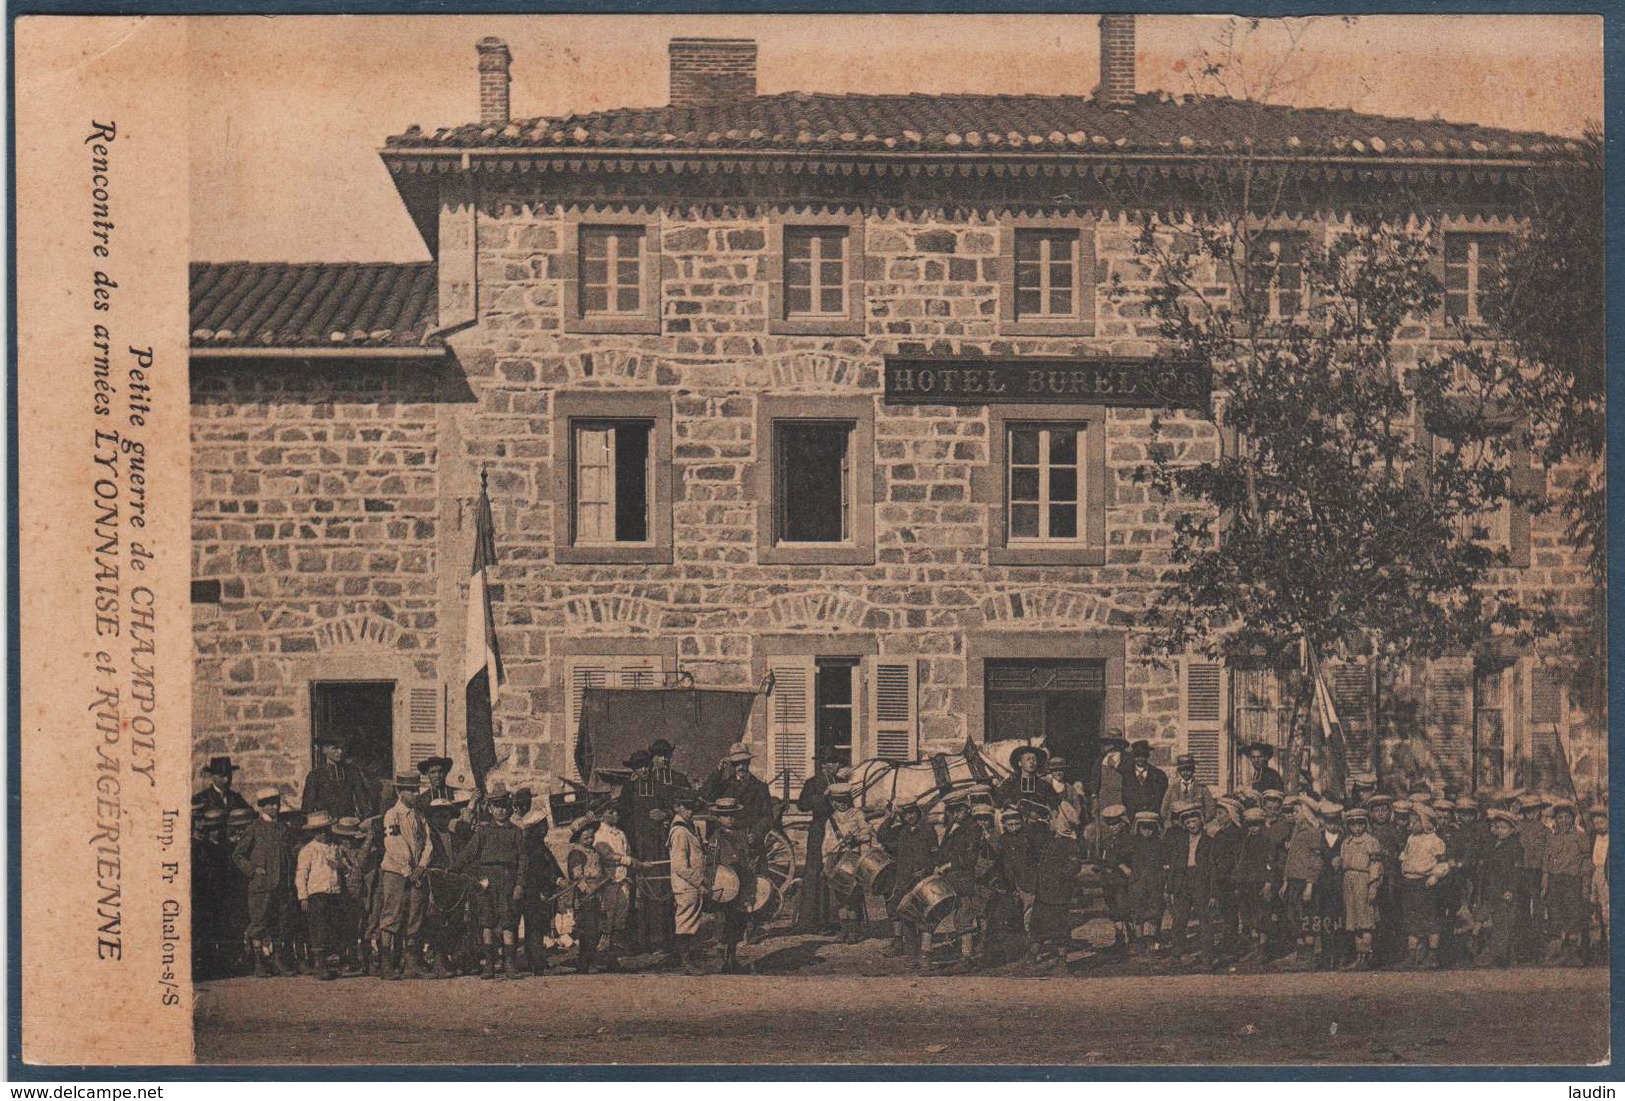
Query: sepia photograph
(1067, 540)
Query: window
(836, 718)
(611, 274)
(1048, 277)
(814, 475)
(815, 274)
(1275, 271)
(1472, 270)
(833, 693)
(612, 477)
(611, 267)
(819, 501)
(1046, 273)
(1045, 486)
(611, 489)
(1046, 483)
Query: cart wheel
(778, 863)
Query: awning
(701, 722)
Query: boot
(488, 962)
(262, 968)
(389, 959)
(896, 947)
(510, 962)
(412, 959)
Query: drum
(876, 871)
(929, 902)
(843, 874)
(761, 899)
(724, 884)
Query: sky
(288, 112)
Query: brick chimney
(712, 70)
(1116, 61)
(494, 60)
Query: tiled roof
(1157, 124)
(325, 306)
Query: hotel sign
(1153, 383)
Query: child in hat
(1563, 878)
(912, 842)
(1254, 876)
(1116, 865)
(263, 858)
(402, 881)
(1303, 866)
(1422, 865)
(1145, 881)
(1360, 858)
(319, 883)
(849, 831)
(1500, 884)
(1055, 883)
(494, 858)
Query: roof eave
(318, 352)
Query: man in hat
(434, 771)
(814, 800)
(1144, 784)
(1185, 788)
(319, 885)
(689, 885)
(1563, 880)
(734, 780)
(1264, 776)
(541, 876)
(494, 858)
(266, 862)
(736, 850)
(217, 793)
(912, 842)
(210, 857)
(402, 881)
(1500, 885)
(338, 785)
(644, 807)
(1026, 779)
(1106, 778)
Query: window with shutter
(893, 708)
(601, 671)
(1547, 767)
(1202, 707)
(1449, 718)
(790, 721)
(1353, 697)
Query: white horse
(880, 786)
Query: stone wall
(314, 457)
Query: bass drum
(843, 874)
(928, 902)
(761, 899)
(876, 871)
(724, 884)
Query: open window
(612, 477)
(818, 507)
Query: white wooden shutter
(894, 708)
(1202, 707)
(600, 671)
(790, 720)
(423, 736)
(1354, 696)
(1448, 718)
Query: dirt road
(1526, 1016)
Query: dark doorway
(1055, 703)
(362, 713)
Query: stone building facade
(696, 351)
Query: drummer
(1027, 779)
(912, 842)
(961, 860)
(848, 831)
(733, 779)
(734, 849)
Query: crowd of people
(412, 878)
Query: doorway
(362, 714)
(1056, 703)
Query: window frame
(570, 409)
(991, 486)
(1081, 322)
(853, 321)
(1474, 291)
(1440, 325)
(859, 547)
(1265, 236)
(647, 318)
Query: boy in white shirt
(319, 883)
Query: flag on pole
(482, 662)
(1334, 751)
